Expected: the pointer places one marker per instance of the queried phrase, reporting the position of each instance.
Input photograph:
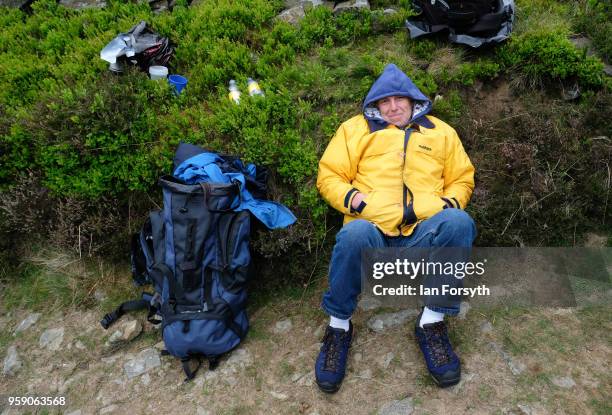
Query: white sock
(430, 316)
(338, 323)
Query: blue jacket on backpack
(203, 168)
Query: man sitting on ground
(402, 179)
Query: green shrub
(90, 142)
(595, 19)
(449, 107)
(96, 140)
(545, 56)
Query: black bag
(461, 15)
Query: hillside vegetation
(81, 149)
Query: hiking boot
(442, 363)
(330, 366)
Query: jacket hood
(394, 82)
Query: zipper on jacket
(408, 215)
(406, 190)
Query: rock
(607, 69)
(365, 374)
(146, 360)
(358, 357)
(202, 411)
(581, 42)
(465, 378)
(351, 5)
(564, 382)
(15, 4)
(28, 322)
(145, 379)
(116, 337)
(279, 396)
(386, 360)
(12, 363)
(367, 303)
(83, 4)
(239, 359)
(52, 339)
(110, 359)
(400, 374)
(403, 407)
(318, 333)
(385, 321)
(486, 327)
(378, 19)
(571, 93)
(159, 6)
(231, 380)
(79, 345)
(593, 240)
(283, 326)
(515, 366)
(108, 409)
(126, 332)
(131, 329)
(307, 379)
(525, 409)
(99, 295)
(292, 3)
(77, 412)
(160, 345)
(293, 15)
(563, 311)
(463, 310)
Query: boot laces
(332, 342)
(438, 343)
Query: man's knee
(359, 232)
(458, 222)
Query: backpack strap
(176, 294)
(148, 301)
(213, 362)
(190, 373)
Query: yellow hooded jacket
(407, 175)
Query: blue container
(179, 82)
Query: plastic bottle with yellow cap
(254, 89)
(234, 92)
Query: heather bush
(81, 149)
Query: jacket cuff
(348, 198)
(359, 208)
(451, 202)
(448, 203)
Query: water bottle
(234, 92)
(254, 89)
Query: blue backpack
(195, 253)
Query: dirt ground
(545, 361)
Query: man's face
(396, 110)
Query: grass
(601, 406)
(486, 392)
(285, 370)
(239, 410)
(6, 337)
(40, 289)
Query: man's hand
(357, 199)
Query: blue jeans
(448, 228)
